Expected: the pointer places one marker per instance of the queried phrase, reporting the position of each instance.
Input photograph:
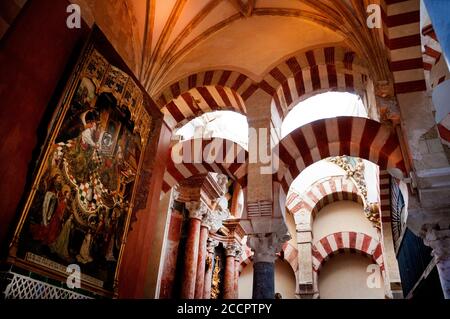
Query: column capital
(213, 220)
(265, 246)
(197, 209)
(211, 245)
(232, 249)
(439, 241)
(389, 110)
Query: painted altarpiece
(78, 210)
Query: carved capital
(239, 252)
(232, 249)
(214, 219)
(265, 246)
(196, 209)
(439, 241)
(211, 245)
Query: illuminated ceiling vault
(166, 40)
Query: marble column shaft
(171, 255)
(229, 277)
(263, 280)
(196, 212)
(236, 277)
(200, 280)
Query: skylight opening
(321, 106)
(324, 169)
(221, 124)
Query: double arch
(313, 71)
(352, 136)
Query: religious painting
(79, 208)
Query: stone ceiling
(165, 40)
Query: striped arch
(238, 82)
(346, 241)
(246, 258)
(188, 159)
(403, 39)
(432, 49)
(385, 195)
(311, 72)
(322, 193)
(200, 100)
(290, 254)
(352, 136)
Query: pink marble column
(196, 212)
(237, 262)
(211, 245)
(200, 280)
(229, 278)
(171, 255)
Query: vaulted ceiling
(166, 40)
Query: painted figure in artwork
(84, 256)
(53, 213)
(61, 245)
(86, 178)
(51, 198)
(112, 234)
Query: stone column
(196, 212)
(237, 262)
(210, 246)
(229, 277)
(439, 241)
(200, 280)
(265, 247)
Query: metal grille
(22, 287)
(259, 209)
(397, 209)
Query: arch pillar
(304, 246)
(196, 212)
